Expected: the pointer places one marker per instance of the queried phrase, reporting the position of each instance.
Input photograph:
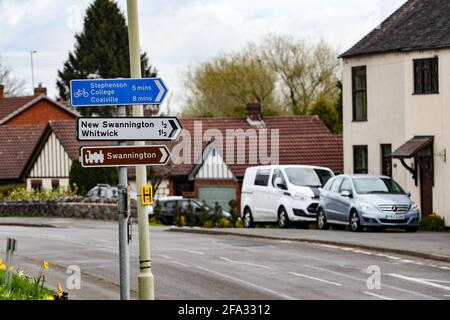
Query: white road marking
(179, 263)
(329, 246)
(439, 281)
(377, 296)
(162, 256)
(317, 279)
(364, 280)
(421, 281)
(190, 251)
(246, 263)
(281, 295)
(444, 268)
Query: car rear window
(262, 177)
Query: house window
(360, 160)
(426, 76)
(55, 184)
(386, 160)
(359, 84)
(36, 185)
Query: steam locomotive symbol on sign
(94, 157)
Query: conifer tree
(101, 51)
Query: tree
(157, 174)
(13, 86)
(101, 51)
(327, 112)
(306, 72)
(224, 85)
(87, 178)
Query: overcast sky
(176, 33)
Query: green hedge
(433, 222)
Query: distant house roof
(302, 140)
(17, 146)
(417, 25)
(13, 106)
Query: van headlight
(367, 207)
(414, 207)
(299, 196)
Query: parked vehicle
(283, 194)
(362, 201)
(107, 192)
(167, 209)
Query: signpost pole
(145, 278)
(124, 256)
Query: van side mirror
(347, 194)
(280, 184)
(408, 194)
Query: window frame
(384, 158)
(419, 85)
(360, 170)
(356, 91)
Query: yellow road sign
(147, 195)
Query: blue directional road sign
(114, 92)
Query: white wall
(395, 115)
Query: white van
(283, 194)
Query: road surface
(193, 266)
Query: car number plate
(396, 217)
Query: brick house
(22, 122)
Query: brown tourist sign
(122, 156)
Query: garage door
(222, 195)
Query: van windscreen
(308, 177)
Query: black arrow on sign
(174, 128)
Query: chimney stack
(40, 90)
(2, 91)
(254, 110)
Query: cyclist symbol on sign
(81, 92)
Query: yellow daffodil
(2, 267)
(1, 261)
(60, 290)
(11, 268)
(45, 264)
(50, 298)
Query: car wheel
(355, 224)
(248, 219)
(411, 229)
(322, 220)
(283, 219)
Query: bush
(239, 224)
(87, 178)
(434, 222)
(224, 223)
(208, 224)
(204, 213)
(20, 194)
(157, 211)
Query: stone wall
(60, 209)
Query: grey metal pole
(124, 255)
(145, 278)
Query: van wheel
(283, 219)
(322, 220)
(248, 219)
(355, 225)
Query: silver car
(360, 201)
